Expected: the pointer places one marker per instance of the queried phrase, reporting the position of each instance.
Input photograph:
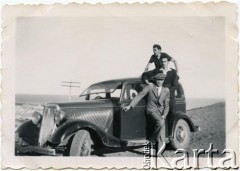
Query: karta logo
(154, 159)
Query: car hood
(87, 104)
(96, 112)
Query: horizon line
(79, 96)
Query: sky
(92, 49)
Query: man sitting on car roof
(156, 60)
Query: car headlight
(36, 117)
(59, 117)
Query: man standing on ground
(157, 107)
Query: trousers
(158, 133)
(149, 74)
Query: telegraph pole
(70, 84)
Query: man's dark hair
(157, 46)
(164, 55)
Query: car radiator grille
(47, 126)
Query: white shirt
(165, 71)
(171, 65)
(159, 89)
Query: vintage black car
(77, 128)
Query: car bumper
(35, 149)
(23, 149)
(197, 129)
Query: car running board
(136, 143)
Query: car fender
(68, 129)
(29, 132)
(181, 115)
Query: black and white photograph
(107, 82)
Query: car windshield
(102, 88)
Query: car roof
(122, 80)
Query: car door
(133, 122)
(180, 99)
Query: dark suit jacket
(155, 104)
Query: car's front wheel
(81, 144)
(181, 136)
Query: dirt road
(211, 120)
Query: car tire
(181, 135)
(81, 144)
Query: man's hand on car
(126, 108)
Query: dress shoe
(166, 140)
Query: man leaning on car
(157, 107)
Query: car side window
(116, 93)
(95, 95)
(132, 90)
(178, 92)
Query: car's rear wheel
(181, 136)
(81, 144)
